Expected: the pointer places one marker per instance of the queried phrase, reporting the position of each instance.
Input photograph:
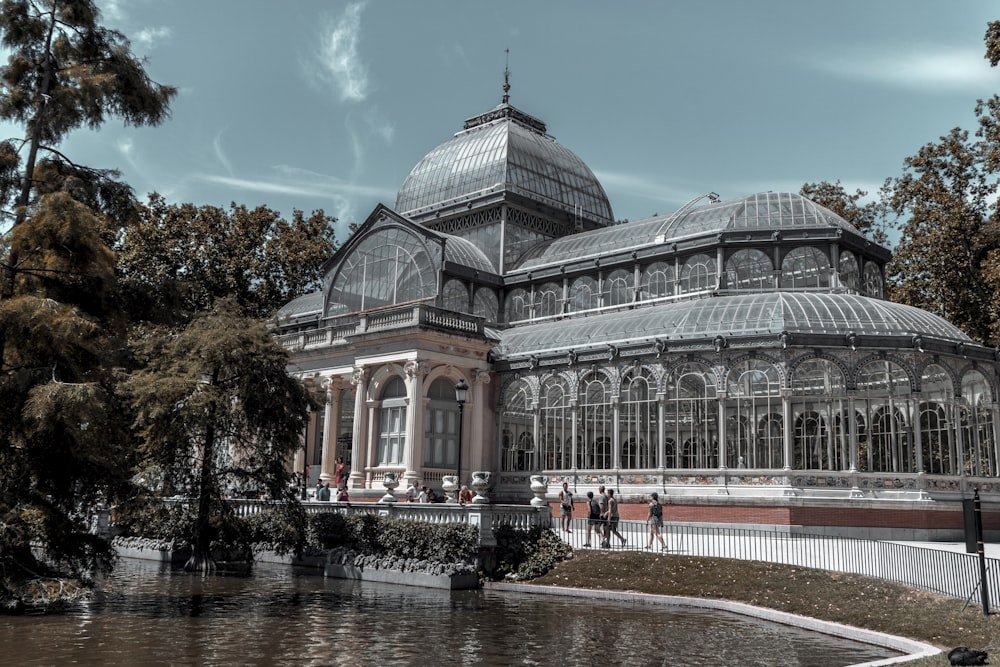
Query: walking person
(613, 517)
(654, 517)
(602, 528)
(566, 507)
(593, 518)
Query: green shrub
(381, 535)
(526, 554)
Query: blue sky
(321, 104)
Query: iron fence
(940, 571)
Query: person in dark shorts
(594, 521)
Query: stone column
(331, 417)
(788, 432)
(360, 430)
(474, 440)
(661, 435)
(413, 450)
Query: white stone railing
(338, 329)
(486, 516)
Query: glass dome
(504, 150)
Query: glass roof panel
(765, 210)
(731, 316)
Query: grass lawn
(832, 596)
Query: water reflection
(147, 616)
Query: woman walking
(654, 517)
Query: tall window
(596, 422)
(850, 272)
(657, 281)
(518, 422)
(699, 273)
(486, 305)
(755, 403)
(638, 415)
(978, 441)
(805, 267)
(873, 281)
(518, 305)
(749, 269)
(584, 294)
(441, 426)
(392, 423)
(884, 389)
(548, 299)
(936, 440)
(557, 426)
(618, 288)
(691, 418)
(455, 296)
(819, 409)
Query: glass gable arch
(389, 266)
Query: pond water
(147, 615)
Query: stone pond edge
(913, 649)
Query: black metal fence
(955, 574)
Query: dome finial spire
(506, 78)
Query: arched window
(936, 441)
(755, 399)
(657, 281)
(584, 294)
(557, 425)
(749, 269)
(884, 396)
(874, 285)
(441, 426)
(486, 304)
(690, 418)
(699, 273)
(618, 288)
(455, 296)
(596, 422)
(819, 410)
(518, 305)
(392, 423)
(805, 267)
(517, 424)
(850, 272)
(979, 442)
(637, 420)
(548, 299)
(389, 266)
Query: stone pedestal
(539, 487)
(450, 485)
(390, 481)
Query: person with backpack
(654, 517)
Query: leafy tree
(946, 252)
(61, 330)
(61, 439)
(217, 412)
(868, 218)
(188, 256)
(64, 72)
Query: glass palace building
(737, 356)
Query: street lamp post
(461, 393)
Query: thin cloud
(150, 38)
(339, 62)
(220, 154)
(926, 70)
(329, 189)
